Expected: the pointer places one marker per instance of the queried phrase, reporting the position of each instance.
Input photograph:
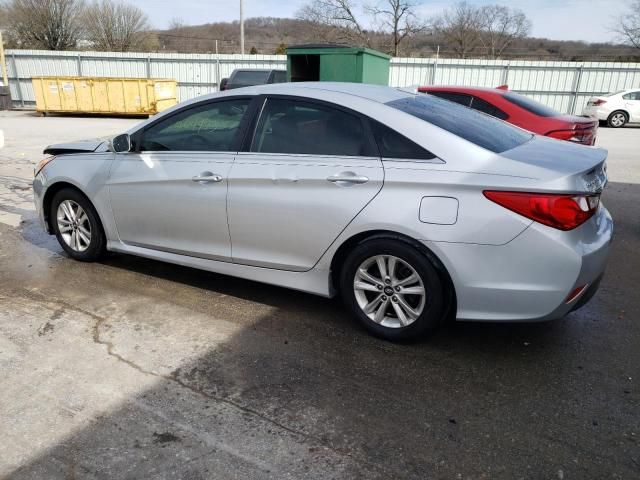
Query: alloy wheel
(389, 291)
(618, 120)
(74, 225)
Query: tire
(74, 221)
(425, 313)
(617, 119)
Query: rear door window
(482, 130)
(632, 96)
(299, 127)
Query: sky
(587, 20)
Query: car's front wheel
(393, 289)
(77, 225)
(617, 119)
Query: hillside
(271, 35)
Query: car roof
(257, 70)
(376, 93)
(463, 89)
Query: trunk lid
(561, 166)
(580, 122)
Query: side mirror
(121, 143)
(223, 84)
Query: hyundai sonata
(412, 208)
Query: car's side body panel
(89, 173)
(284, 211)
(157, 203)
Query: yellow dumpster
(119, 96)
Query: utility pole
(3, 64)
(242, 27)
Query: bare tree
(118, 27)
(48, 24)
(628, 25)
(337, 19)
(461, 27)
(500, 27)
(397, 17)
(177, 23)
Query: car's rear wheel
(77, 225)
(617, 119)
(393, 289)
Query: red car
(521, 111)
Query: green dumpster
(337, 63)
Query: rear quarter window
(482, 130)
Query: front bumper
(39, 187)
(529, 278)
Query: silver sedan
(412, 208)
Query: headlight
(42, 164)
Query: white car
(616, 109)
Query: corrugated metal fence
(565, 86)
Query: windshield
(530, 105)
(478, 128)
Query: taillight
(598, 102)
(561, 211)
(577, 136)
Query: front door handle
(207, 177)
(346, 178)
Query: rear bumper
(530, 278)
(596, 112)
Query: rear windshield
(483, 130)
(530, 105)
(249, 78)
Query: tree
(397, 17)
(48, 24)
(118, 27)
(177, 23)
(460, 27)
(628, 25)
(337, 20)
(500, 27)
(281, 49)
(253, 51)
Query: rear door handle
(347, 178)
(207, 177)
